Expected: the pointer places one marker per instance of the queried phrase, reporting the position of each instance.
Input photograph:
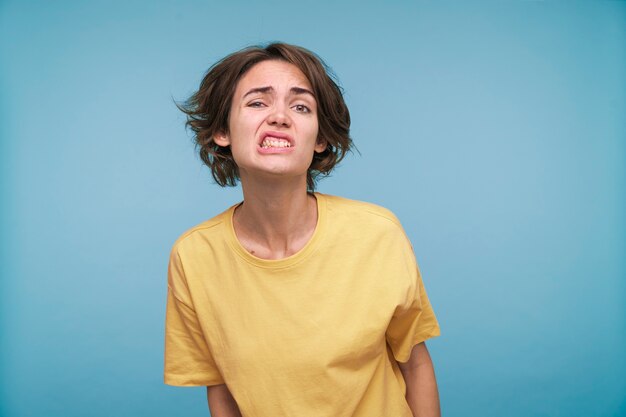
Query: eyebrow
(293, 90)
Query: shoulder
(368, 218)
(202, 234)
(367, 226)
(361, 212)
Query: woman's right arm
(221, 402)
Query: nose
(279, 117)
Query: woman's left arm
(421, 385)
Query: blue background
(494, 130)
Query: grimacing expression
(273, 124)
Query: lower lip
(266, 151)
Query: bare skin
(221, 402)
(275, 222)
(421, 385)
(278, 216)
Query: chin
(278, 173)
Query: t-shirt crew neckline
(297, 257)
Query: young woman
(292, 303)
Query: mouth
(275, 140)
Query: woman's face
(273, 122)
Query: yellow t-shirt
(316, 334)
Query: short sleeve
(413, 321)
(188, 359)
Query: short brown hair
(208, 110)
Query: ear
(221, 139)
(321, 145)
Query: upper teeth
(270, 142)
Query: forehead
(276, 74)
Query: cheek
(313, 130)
(319, 141)
(242, 133)
(241, 150)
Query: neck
(277, 218)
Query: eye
(301, 108)
(256, 104)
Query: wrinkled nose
(279, 117)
